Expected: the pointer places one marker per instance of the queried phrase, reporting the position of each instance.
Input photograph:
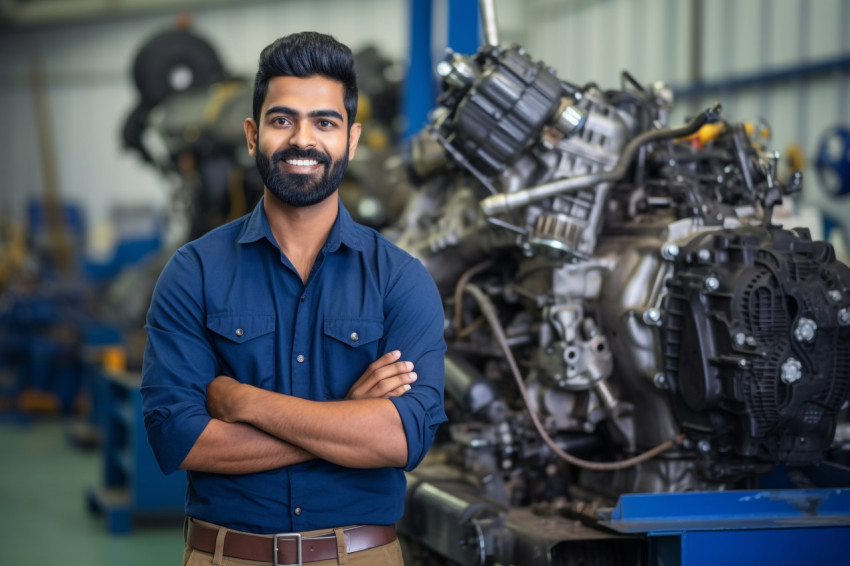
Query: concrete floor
(44, 515)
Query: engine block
(624, 313)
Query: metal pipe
(508, 201)
(488, 21)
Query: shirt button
(299, 358)
(355, 337)
(298, 510)
(303, 298)
(239, 332)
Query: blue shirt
(231, 303)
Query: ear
(353, 138)
(251, 136)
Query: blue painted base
(133, 485)
(746, 528)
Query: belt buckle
(288, 536)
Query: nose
(302, 136)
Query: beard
(301, 190)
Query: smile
(302, 162)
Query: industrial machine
(624, 313)
(188, 124)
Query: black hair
(304, 55)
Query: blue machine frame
(774, 526)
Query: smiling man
(294, 364)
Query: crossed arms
(255, 430)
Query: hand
(384, 378)
(222, 397)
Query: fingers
(384, 360)
(394, 386)
(379, 382)
(382, 380)
(385, 377)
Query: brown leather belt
(262, 547)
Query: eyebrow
(293, 112)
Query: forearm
(238, 448)
(365, 433)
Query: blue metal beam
(420, 85)
(807, 70)
(464, 26)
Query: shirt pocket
(244, 345)
(349, 346)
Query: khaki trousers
(387, 555)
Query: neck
(301, 231)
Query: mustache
(295, 153)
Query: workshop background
(91, 202)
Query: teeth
(302, 162)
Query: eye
(280, 121)
(325, 124)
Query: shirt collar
(344, 230)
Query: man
(279, 369)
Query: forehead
(305, 94)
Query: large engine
(625, 315)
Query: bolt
(652, 317)
(844, 316)
(660, 381)
(740, 339)
(704, 255)
(444, 68)
(712, 283)
(669, 251)
(791, 370)
(805, 330)
(704, 446)
(835, 295)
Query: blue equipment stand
(133, 485)
(747, 528)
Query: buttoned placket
(300, 368)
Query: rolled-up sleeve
(178, 363)
(413, 324)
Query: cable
(458, 296)
(489, 312)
